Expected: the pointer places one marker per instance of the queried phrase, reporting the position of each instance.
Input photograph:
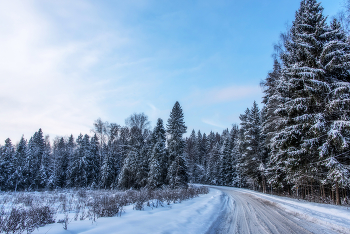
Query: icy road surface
(253, 212)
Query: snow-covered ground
(204, 213)
(190, 216)
(335, 217)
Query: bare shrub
(105, 206)
(20, 219)
(24, 198)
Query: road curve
(248, 214)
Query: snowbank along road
(252, 212)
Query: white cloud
(43, 80)
(223, 95)
(233, 93)
(213, 123)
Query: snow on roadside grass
(337, 217)
(110, 211)
(190, 216)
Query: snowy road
(248, 213)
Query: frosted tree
(28, 168)
(199, 151)
(100, 130)
(314, 69)
(94, 166)
(158, 158)
(213, 166)
(335, 59)
(18, 162)
(78, 166)
(251, 146)
(62, 164)
(107, 178)
(226, 168)
(177, 171)
(40, 175)
(271, 99)
(134, 172)
(127, 176)
(191, 151)
(6, 166)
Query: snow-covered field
(190, 216)
(170, 216)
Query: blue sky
(66, 63)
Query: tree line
(125, 157)
(297, 143)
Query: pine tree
(127, 176)
(271, 100)
(191, 151)
(335, 60)
(29, 172)
(107, 170)
(253, 158)
(19, 162)
(177, 173)
(213, 166)
(315, 65)
(38, 160)
(198, 168)
(62, 164)
(94, 166)
(6, 166)
(226, 166)
(78, 167)
(135, 168)
(158, 158)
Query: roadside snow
(337, 217)
(191, 216)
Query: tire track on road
(248, 214)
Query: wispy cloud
(45, 82)
(213, 123)
(223, 95)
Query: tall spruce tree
(315, 67)
(253, 158)
(335, 59)
(177, 172)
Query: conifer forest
(294, 142)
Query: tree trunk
(324, 193)
(337, 202)
(264, 184)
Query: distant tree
(213, 166)
(78, 167)
(158, 158)
(6, 164)
(191, 151)
(17, 179)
